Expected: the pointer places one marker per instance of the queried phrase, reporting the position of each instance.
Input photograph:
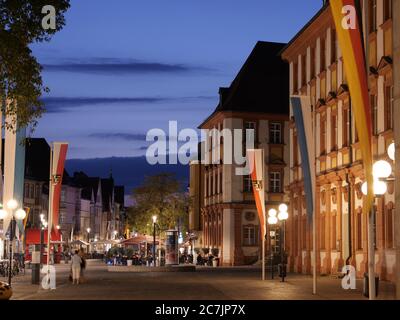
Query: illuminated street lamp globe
(272, 220)
(391, 151)
(88, 230)
(12, 204)
(381, 169)
(154, 219)
(283, 207)
(380, 188)
(20, 214)
(3, 214)
(272, 212)
(283, 215)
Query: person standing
(76, 267)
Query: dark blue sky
(120, 68)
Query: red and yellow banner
(350, 37)
(57, 171)
(255, 158)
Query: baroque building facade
(316, 70)
(223, 208)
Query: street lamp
(272, 220)
(154, 239)
(88, 238)
(283, 215)
(19, 214)
(381, 170)
(391, 151)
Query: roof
(261, 86)
(119, 195)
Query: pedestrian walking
(76, 267)
(82, 278)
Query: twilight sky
(120, 68)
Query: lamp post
(42, 227)
(381, 170)
(272, 220)
(154, 239)
(283, 216)
(19, 214)
(88, 238)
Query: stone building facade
(316, 70)
(257, 99)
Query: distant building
(85, 202)
(257, 99)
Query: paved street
(206, 283)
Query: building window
(389, 228)
(304, 234)
(26, 190)
(275, 133)
(247, 184)
(303, 69)
(295, 76)
(359, 230)
(322, 244)
(207, 188)
(312, 62)
(295, 150)
(389, 105)
(346, 127)
(275, 182)
(250, 235)
(372, 15)
(374, 113)
(323, 135)
(220, 182)
(334, 235)
(37, 191)
(387, 9)
(31, 191)
(249, 125)
(333, 46)
(334, 131)
(323, 55)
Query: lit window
(250, 235)
(275, 182)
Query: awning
(138, 240)
(79, 243)
(32, 236)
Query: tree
(21, 83)
(159, 195)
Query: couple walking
(78, 265)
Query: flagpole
(371, 222)
(314, 220)
(50, 215)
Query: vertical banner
(347, 17)
(57, 171)
(14, 169)
(255, 158)
(301, 107)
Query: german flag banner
(347, 16)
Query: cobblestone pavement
(204, 284)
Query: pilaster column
(238, 252)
